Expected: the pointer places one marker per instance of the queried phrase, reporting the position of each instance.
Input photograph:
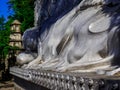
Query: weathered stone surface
(84, 38)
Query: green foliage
(2, 20)
(4, 37)
(23, 11)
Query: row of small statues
(74, 36)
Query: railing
(67, 81)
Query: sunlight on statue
(74, 36)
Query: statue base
(30, 79)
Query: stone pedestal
(46, 80)
(21, 84)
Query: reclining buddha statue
(82, 36)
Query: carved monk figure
(96, 38)
(47, 12)
(84, 40)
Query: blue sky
(4, 8)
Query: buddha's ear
(100, 25)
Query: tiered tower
(15, 36)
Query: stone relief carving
(79, 37)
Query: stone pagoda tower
(15, 36)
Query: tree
(4, 42)
(23, 11)
(2, 22)
(4, 37)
